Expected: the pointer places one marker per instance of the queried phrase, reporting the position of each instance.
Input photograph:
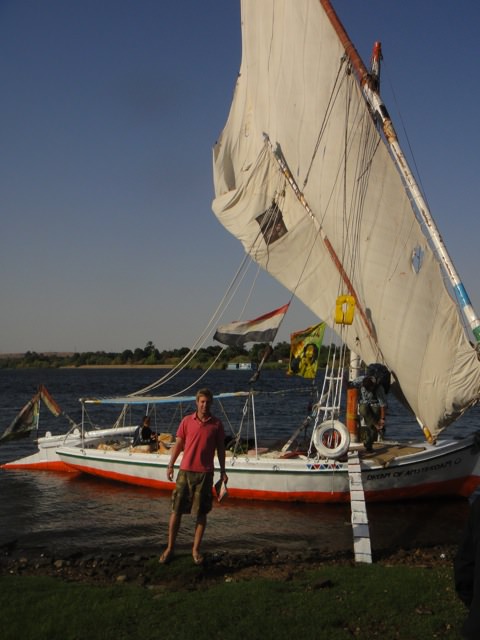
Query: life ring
(331, 439)
(344, 309)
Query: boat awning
(142, 400)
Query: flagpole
(266, 354)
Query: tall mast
(369, 84)
(375, 64)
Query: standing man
(199, 435)
(372, 406)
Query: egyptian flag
(262, 329)
(49, 401)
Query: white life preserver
(331, 439)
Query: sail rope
(353, 210)
(237, 281)
(333, 255)
(280, 190)
(331, 102)
(220, 310)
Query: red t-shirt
(201, 439)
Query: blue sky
(108, 114)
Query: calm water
(62, 513)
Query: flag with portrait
(305, 351)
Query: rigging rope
(224, 304)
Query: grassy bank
(332, 602)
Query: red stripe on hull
(458, 487)
(461, 487)
(52, 465)
(120, 477)
(281, 496)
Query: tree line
(150, 355)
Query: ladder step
(361, 532)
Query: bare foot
(166, 556)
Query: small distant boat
(242, 366)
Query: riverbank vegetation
(332, 601)
(151, 356)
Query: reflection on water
(63, 513)
(67, 512)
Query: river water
(60, 513)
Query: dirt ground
(135, 568)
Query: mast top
(375, 64)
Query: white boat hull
(448, 468)
(46, 457)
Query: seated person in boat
(144, 435)
(372, 406)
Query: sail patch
(418, 255)
(271, 224)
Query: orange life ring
(344, 309)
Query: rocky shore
(143, 570)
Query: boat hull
(449, 468)
(46, 457)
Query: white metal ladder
(330, 401)
(360, 528)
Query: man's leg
(202, 505)
(370, 432)
(378, 433)
(173, 527)
(200, 527)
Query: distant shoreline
(118, 366)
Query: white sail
(355, 232)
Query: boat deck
(383, 452)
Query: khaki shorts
(192, 493)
